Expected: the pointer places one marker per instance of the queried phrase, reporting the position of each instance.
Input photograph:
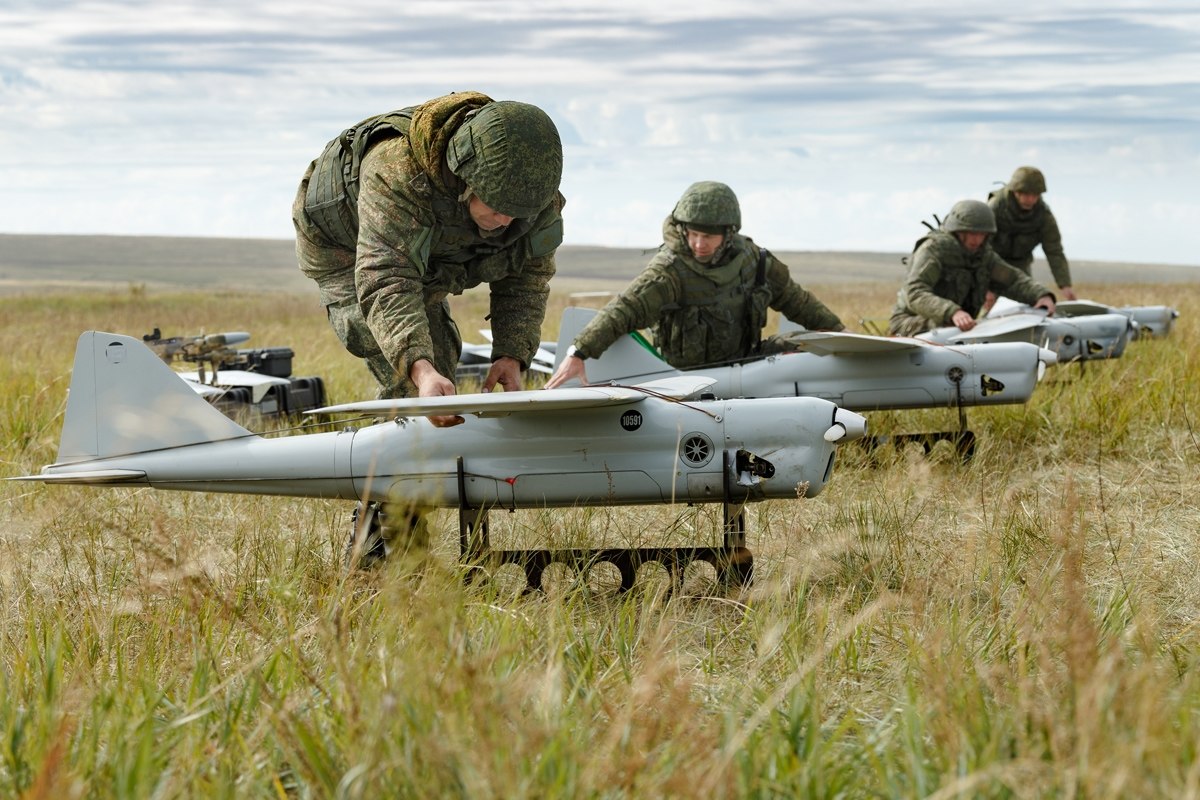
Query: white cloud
(841, 127)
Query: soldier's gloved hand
(962, 320)
(1046, 301)
(431, 383)
(505, 371)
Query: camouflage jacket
(945, 278)
(1018, 232)
(702, 313)
(417, 244)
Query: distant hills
(28, 260)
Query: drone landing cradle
(732, 560)
(962, 440)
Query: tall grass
(1024, 625)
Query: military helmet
(710, 207)
(510, 155)
(970, 215)
(1029, 180)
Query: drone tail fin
(630, 359)
(123, 400)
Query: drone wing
(843, 344)
(1001, 326)
(494, 403)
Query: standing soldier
(705, 293)
(953, 269)
(408, 207)
(1023, 221)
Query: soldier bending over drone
(406, 208)
(953, 269)
(705, 293)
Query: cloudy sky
(840, 125)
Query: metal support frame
(733, 561)
(962, 439)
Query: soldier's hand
(1067, 292)
(431, 383)
(1047, 302)
(989, 300)
(962, 320)
(505, 371)
(569, 369)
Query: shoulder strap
(756, 308)
(332, 197)
(357, 139)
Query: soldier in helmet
(1024, 221)
(705, 293)
(408, 207)
(953, 269)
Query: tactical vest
(965, 277)
(715, 323)
(1017, 233)
(332, 198)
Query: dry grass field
(1023, 625)
(159, 263)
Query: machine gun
(259, 379)
(211, 349)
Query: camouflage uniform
(704, 313)
(944, 278)
(1018, 231)
(412, 241)
(383, 226)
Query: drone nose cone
(1047, 356)
(847, 426)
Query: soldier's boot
(366, 548)
(381, 531)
